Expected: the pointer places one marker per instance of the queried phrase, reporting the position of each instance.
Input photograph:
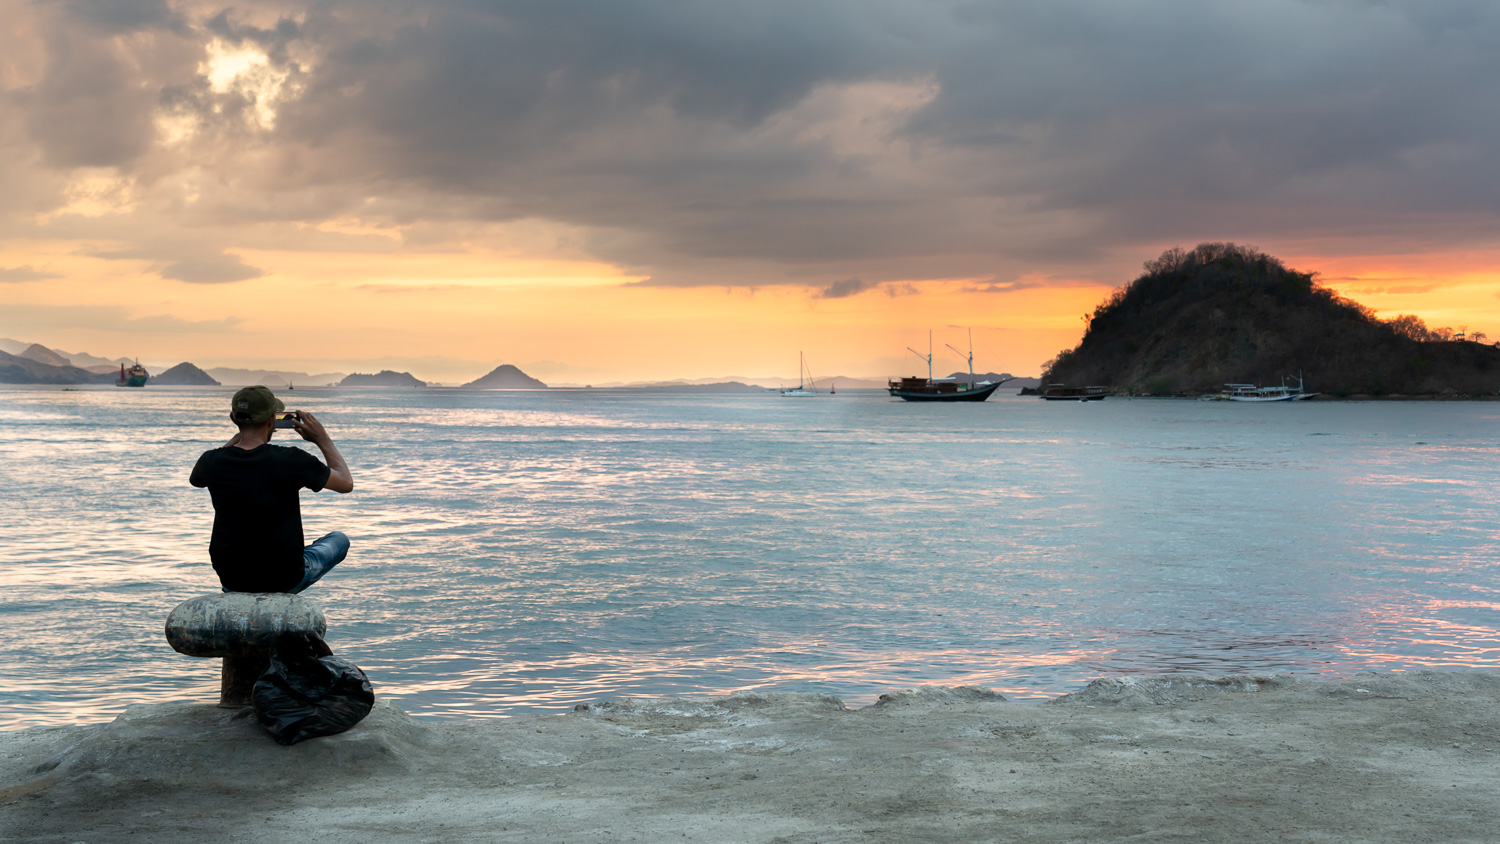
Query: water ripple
(528, 551)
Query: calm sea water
(526, 551)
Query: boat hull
(1252, 393)
(1288, 397)
(1063, 392)
(976, 394)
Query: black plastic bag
(309, 692)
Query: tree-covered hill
(184, 374)
(1219, 313)
(383, 378)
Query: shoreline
(1389, 756)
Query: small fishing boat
(917, 388)
(1064, 392)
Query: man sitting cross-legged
(257, 538)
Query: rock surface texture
(1391, 757)
(235, 624)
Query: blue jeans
(320, 557)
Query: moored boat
(1064, 392)
(135, 376)
(941, 389)
(917, 388)
(1253, 393)
(805, 384)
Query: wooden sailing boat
(917, 388)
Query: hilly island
(1220, 313)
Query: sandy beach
(1390, 757)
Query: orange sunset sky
(619, 191)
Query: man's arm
(197, 478)
(339, 479)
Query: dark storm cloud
(115, 16)
(1144, 121)
(1191, 104)
(844, 288)
(87, 109)
(807, 142)
(474, 97)
(273, 39)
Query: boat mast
(928, 356)
(960, 354)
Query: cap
(254, 405)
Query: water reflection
(530, 551)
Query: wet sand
(1390, 757)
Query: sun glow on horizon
(455, 313)
(572, 320)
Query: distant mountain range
(685, 386)
(841, 382)
(15, 369)
(273, 378)
(57, 357)
(383, 378)
(33, 363)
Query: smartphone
(286, 419)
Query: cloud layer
(838, 144)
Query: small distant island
(506, 377)
(184, 375)
(1220, 313)
(383, 378)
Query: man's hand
(339, 478)
(310, 428)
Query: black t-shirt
(257, 541)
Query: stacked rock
(241, 628)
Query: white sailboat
(804, 384)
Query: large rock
(240, 624)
